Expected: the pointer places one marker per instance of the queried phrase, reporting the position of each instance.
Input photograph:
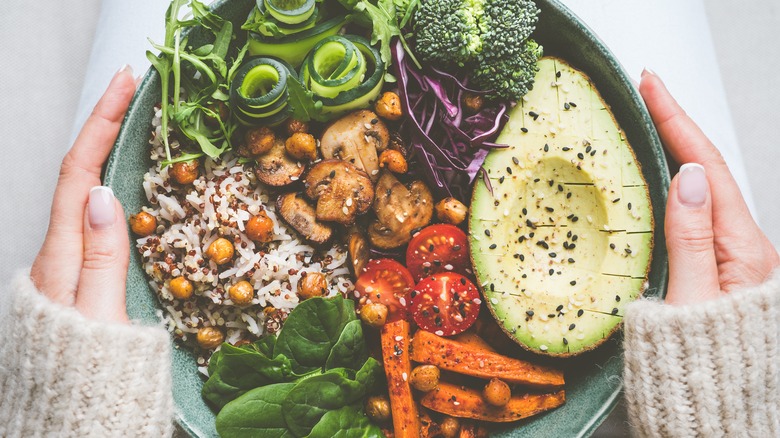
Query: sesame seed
(559, 308)
(615, 311)
(565, 342)
(617, 298)
(487, 233)
(573, 282)
(566, 106)
(509, 170)
(438, 333)
(533, 114)
(580, 156)
(629, 206)
(568, 195)
(573, 105)
(566, 149)
(571, 326)
(493, 246)
(552, 255)
(547, 148)
(616, 200)
(628, 250)
(529, 312)
(580, 312)
(543, 244)
(522, 258)
(560, 188)
(543, 347)
(593, 153)
(515, 160)
(524, 129)
(550, 209)
(574, 238)
(525, 212)
(588, 149)
(571, 260)
(552, 271)
(612, 246)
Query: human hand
(714, 244)
(84, 258)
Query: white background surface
(720, 58)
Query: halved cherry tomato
(445, 304)
(388, 282)
(438, 248)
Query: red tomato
(387, 282)
(445, 304)
(438, 248)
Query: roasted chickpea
(389, 106)
(314, 284)
(450, 427)
(302, 146)
(242, 293)
(425, 378)
(295, 125)
(185, 172)
(259, 140)
(143, 223)
(394, 161)
(497, 392)
(473, 103)
(220, 250)
(260, 228)
(451, 211)
(378, 408)
(210, 337)
(180, 288)
(374, 314)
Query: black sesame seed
(493, 246)
(575, 219)
(533, 114)
(515, 160)
(543, 244)
(573, 282)
(456, 247)
(629, 206)
(414, 293)
(572, 246)
(524, 129)
(492, 287)
(552, 271)
(560, 188)
(571, 260)
(611, 246)
(374, 121)
(552, 255)
(580, 156)
(574, 105)
(588, 149)
(593, 153)
(565, 148)
(580, 312)
(547, 148)
(530, 224)
(487, 233)
(568, 195)
(524, 276)
(516, 256)
(565, 245)
(509, 170)
(571, 326)
(615, 311)
(463, 281)
(616, 200)
(617, 298)
(536, 180)
(559, 308)
(531, 235)
(551, 182)
(435, 309)
(521, 239)
(628, 250)
(570, 216)
(568, 234)
(437, 321)
(522, 258)
(551, 315)
(550, 209)
(529, 312)
(431, 247)
(566, 106)
(574, 238)
(557, 74)
(501, 180)
(565, 342)
(525, 211)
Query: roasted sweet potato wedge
(451, 355)
(459, 401)
(395, 354)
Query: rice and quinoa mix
(218, 204)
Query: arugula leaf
(304, 106)
(258, 413)
(384, 22)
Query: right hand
(714, 244)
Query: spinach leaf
(238, 370)
(311, 331)
(311, 399)
(350, 349)
(258, 413)
(346, 422)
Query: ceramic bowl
(593, 380)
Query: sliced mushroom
(357, 247)
(276, 168)
(357, 138)
(341, 190)
(297, 212)
(399, 211)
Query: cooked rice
(218, 204)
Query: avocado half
(564, 240)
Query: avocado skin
(565, 240)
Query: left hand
(83, 261)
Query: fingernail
(102, 209)
(692, 187)
(647, 72)
(125, 68)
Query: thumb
(693, 271)
(101, 291)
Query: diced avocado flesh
(564, 242)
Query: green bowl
(593, 380)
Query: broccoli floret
(511, 76)
(449, 31)
(490, 38)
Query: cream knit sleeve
(62, 375)
(705, 370)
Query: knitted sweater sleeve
(709, 369)
(64, 375)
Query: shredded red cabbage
(447, 147)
